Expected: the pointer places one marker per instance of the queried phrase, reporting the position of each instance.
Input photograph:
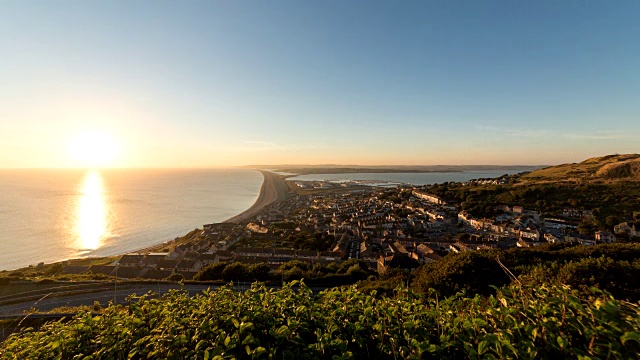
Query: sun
(93, 149)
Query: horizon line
(262, 166)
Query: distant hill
(611, 167)
(344, 169)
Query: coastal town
(321, 222)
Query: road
(104, 297)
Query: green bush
(612, 267)
(475, 272)
(211, 272)
(528, 322)
(175, 277)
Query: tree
(259, 272)
(611, 221)
(211, 272)
(587, 227)
(235, 272)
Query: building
(429, 197)
(605, 237)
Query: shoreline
(274, 189)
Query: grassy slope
(610, 167)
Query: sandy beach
(274, 188)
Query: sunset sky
(225, 83)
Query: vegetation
(522, 322)
(609, 185)
(552, 301)
(613, 268)
(346, 272)
(609, 167)
(609, 201)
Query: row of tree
(340, 273)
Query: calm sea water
(407, 178)
(51, 215)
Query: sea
(53, 215)
(394, 179)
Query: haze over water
(417, 179)
(51, 215)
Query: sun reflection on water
(91, 213)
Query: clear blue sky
(218, 83)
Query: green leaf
(630, 336)
(246, 326)
(258, 351)
(562, 342)
(482, 347)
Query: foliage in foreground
(612, 267)
(547, 322)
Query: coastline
(274, 189)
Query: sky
(230, 83)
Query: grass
(610, 167)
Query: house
(330, 256)
(128, 272)
(530, 234)
(282, 255)
(622, 228)
(526, 243)
(130, 260)
(464, 218)
(633, 230)
(554, 237)
(254, 252)
(167, 264)
(206, 259)
(551, 223)
(579, 238)
(182, 248)
(398, 261)
(426, 254)
(307, 255)
(223, 256)
(605, 237)
(499, 228)
(188, 266)
(253, 227)
(429, 197)
(251, 259)
(397, 247)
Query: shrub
(518, 322)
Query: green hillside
(609, 186)
(610, 167)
